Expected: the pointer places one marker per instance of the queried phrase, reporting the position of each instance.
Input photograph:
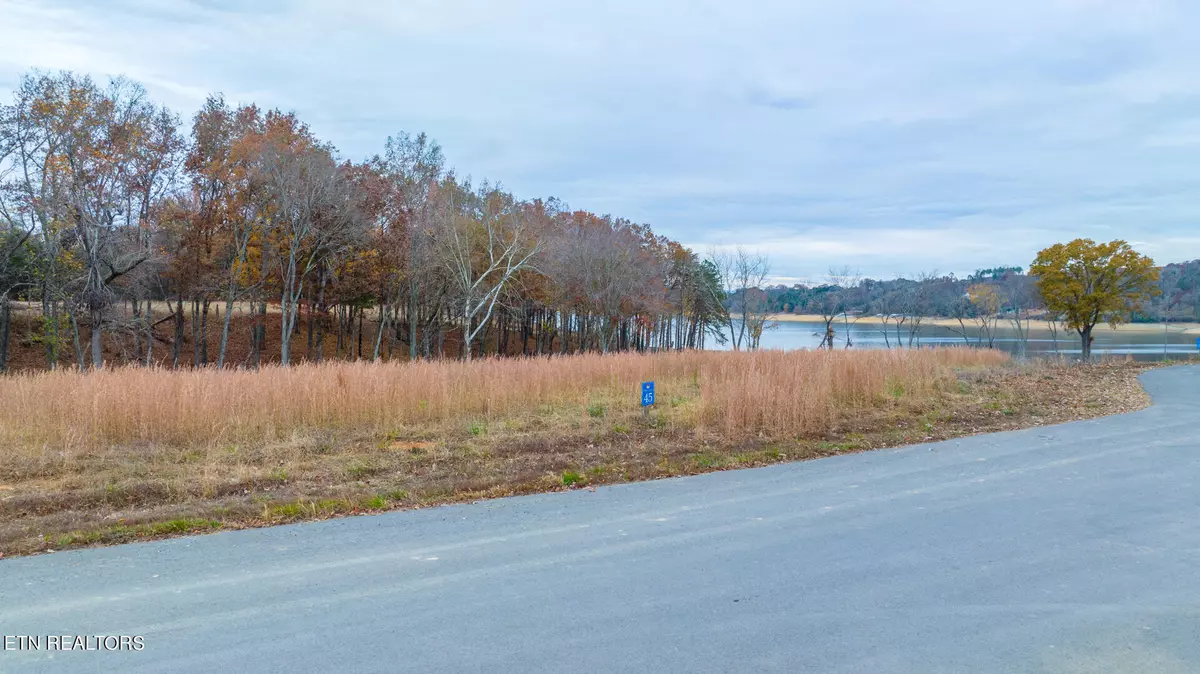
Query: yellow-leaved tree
(1087, 282)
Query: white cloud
(884, 134)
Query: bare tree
(604, 274)
(724, 261)
(961, 310)
(919, 302)
(314, 214)
(1053, 323)
(752, 270)
(845, 282)
(902, 317)
(413, 165)
(1021, 295)
(17, 225)
(988, 301)
(231, 201)
(885, 318)
(484, 240)
(106, 158)
(743, 273)
(829, 303)
(32, 196)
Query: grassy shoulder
(82, 483)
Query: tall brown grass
(769, 391)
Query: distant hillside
(947, 295)
(1180, 284)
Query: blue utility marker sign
(647, 393)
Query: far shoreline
(1175, 328)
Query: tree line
(122, 225)
(1073, 286)
(119, 223)
(946, 295)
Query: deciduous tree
(1088, 282)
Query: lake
(1142, 342)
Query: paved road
(1066, 549)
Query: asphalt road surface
(1067, 549)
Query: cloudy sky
(891, 136)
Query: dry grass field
(132, 453)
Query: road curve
(1073, 548)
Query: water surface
(1136, 341)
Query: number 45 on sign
(647, 395)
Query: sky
(892, 137)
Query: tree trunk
(361, 312)
(286, 310)
(441, 335)
(412, 321)
(466, 331)
(149, 333)
(252, 357)
(260, 321)
(225, 329)
(393, 330)
(502, 340)
(1086, 339)
(341, 325)
(383, 325)
(260, 333)
(525, 329)
(321, 315)
(97, 354)
(195, 332)
(137, 335)
(308, 351)
(80, 361)
(49, 318)
(566, 333)
(204, 332)
(5, 331)
(178, 343)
